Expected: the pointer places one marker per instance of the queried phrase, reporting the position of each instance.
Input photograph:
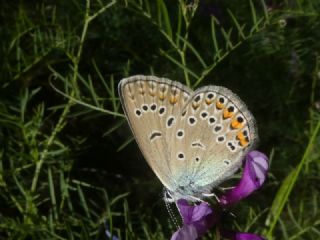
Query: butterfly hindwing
(223, 132)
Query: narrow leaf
(214, 21)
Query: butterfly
(192, 140)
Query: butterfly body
(192, 140)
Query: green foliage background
(69, 167)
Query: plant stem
(61, 122)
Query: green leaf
(52, 194)
(163, 12)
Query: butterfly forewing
(152, 106)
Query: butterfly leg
(211, 195)
(223, 189)
(196, 198)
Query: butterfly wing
(218, 131)
(151, 106)
(192, 141)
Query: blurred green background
(69, 167)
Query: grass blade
(194, 51)
(163, 11)
(283, 193)
(52, 194)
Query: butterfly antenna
(172, 216)
(169, 209)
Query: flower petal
(254, 175)
(199, 218)
(191, 214)
(187, 232)
(186, 211)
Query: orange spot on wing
(240, 136)
(173, 99)
(219, 105)
(162, 96)
(236, 124)
(208, 101)
(227, 114)
(195, 106)
(243, 142)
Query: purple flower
(199, 218)
(254, 175)
(196, 220)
